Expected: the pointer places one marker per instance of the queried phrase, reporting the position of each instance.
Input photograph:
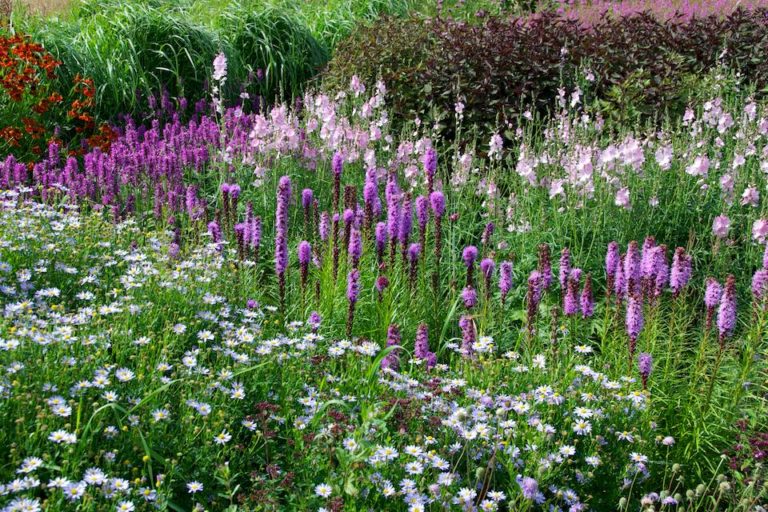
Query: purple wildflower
(533, 297)
(281, 237)
(430, 167)
(634, 320)
(353, 291)
(392, 360)
(726, 315)
(305, 255)
(355, 247)
(587, 300)
(565, 267)
(645, 366)
(421, 346)
(680, 273)
(760, 285)
(632, 269)
(314, 321)
(336, 166)
(505, 279)
(712, 297)
(469, 296)
(467, 335)
(612, 261)
(381, 240)
(571, 297)
(545, 266)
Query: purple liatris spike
(760, 286)
(726, 314)
(353, 291)
(571, 297)
(421, 346)
(392, 360)
(545, 266)
(632, 269)
(612, 260)
(469, 255)
(634, 320)
(305, 255)
(281, 235)
(645, 366)
(381, 284)
(406, 221)
(422, 213)
(648, 259)
(661, 270)
(565, 267)
(336, 166)
(306, 198)
(437, 201)
(533, 297)
(355, 247)
(487, 266)
(712, 296)
(618, 284)
(587, 300)
(381, 240)
(680, 273)
(485, 238)
(469, 296)
(414, 250)
(324, 227)
(467, 335)
(430, 166)
(505, 279)
(215, 231)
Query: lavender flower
(619, 282)
(765, 257)
(661, 270)
(487, 266)
(505, 279)
(529, 487)
(726, 315)
(324, 226)
(421, 346)
(413, 259)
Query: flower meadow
(301, 308)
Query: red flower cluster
(35, 113)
